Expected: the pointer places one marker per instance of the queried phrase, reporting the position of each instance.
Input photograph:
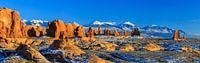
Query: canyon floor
(104, 49)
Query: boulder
(55, 28)
(30, 53)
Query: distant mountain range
(147, 31)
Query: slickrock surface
(127, 47)
(30, 53)
(96, 59)
(153, 47)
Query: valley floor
(106, 49)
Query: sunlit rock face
(10, 23)
(91, 32)
(55, 28)
(70, 30)
(80, 31)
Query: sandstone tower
(176, 35)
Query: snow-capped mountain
(147, 31)
(103, 23)
(127, 26)
(37, 22)
(158, 31)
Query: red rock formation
(99, 31)
(10, 23)
(67, 45)
(116, 33)
(30, 53)
(91, 32)
(80, 31)
(126, 33)
(55, 28)
(70, 30)
(135, 32)
(108, 32)
(177, 35)
(33, 32)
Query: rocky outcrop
(176, 35)
(116, 33)
(135, 32)
(98, 31)
(80, 31)
(66, 45)
(91, 32)
(70, 30)
(153, 47)
(108, 32)
(126, 33)
(95, 59)
(55, 28)
(127, 47)
(33, 32)
(30, 53)
(102, 45)
(10, 23)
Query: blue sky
(178, 14)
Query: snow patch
(102, 23)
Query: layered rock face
(10, 23)
(55, 28)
